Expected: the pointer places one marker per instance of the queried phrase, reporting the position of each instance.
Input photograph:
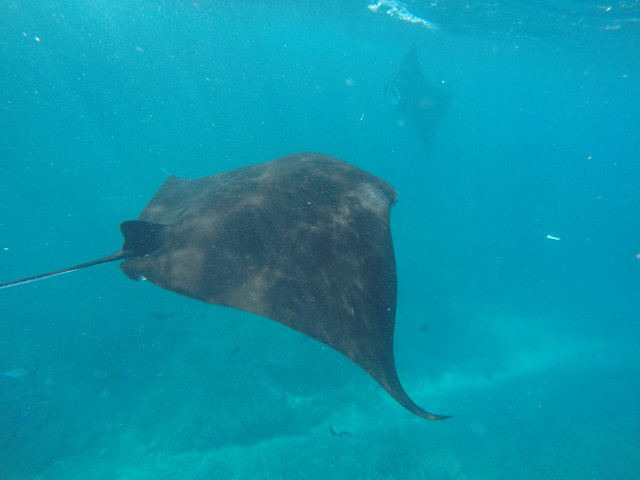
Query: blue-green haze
(529, 342)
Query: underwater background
(517, 239)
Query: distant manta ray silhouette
(303, 240)
(412, 95)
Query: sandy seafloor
(530, 343)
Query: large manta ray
(303, 240)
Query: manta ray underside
(303, 240)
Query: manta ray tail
(140, 238)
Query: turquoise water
(529, 342)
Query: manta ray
(413, 96)
(303, 240)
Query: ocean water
(517, 239)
